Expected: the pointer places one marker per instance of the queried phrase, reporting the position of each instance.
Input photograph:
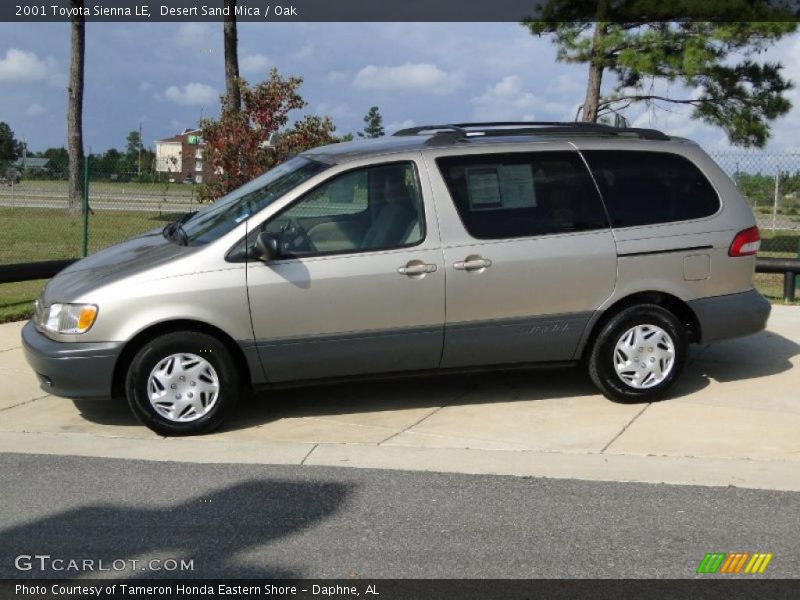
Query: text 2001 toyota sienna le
(446, 247)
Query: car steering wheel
(296, 238)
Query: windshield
(222, 216)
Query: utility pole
(139, 171)
(777, 196)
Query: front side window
(522, 194)
(647, 188)
(225, 214)
(374, 208)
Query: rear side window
(647, 188)
(522, 194)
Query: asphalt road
(302, 522)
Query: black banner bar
(404, 10)
(396, 589)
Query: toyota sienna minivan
(441, 248)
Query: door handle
(416, 268)
(472, 263)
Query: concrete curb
(712, 472)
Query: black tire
(182, 342)
(601, 358)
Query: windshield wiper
(175, 231)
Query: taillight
(746, 243)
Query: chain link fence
(771, 183)
(38, 223)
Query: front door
(528, 252)
(359, 285)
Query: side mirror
(268, 246)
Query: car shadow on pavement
(219, 530)
(414, 393)
(105, 411)
(264, 407)
(763, 355)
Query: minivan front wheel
(638, 354)
(182, 383)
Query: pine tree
(374, 124)
(714, 59)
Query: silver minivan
(441, 248)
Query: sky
(165, 76)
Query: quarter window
(523, 194)
(647, 188)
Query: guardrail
(44, 269)
(790, 267)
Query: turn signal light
(86, 317)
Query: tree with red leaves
(243, 144)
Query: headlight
(66, 318)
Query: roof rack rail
(456, 132)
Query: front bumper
(731, 316)
(71, 369)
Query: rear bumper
(71, 369)
(731, 316)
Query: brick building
(182, 157)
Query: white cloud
(335, 111)
(508, 100)
(674, 121)
(20, 65)
(337, 76)
(397, 126)
(420, 77)
(193, 34)
(191, 94)
(785, 53)
(145, 86)
(786, 131)
(568, 84)
(305, 52)
(34, 110)
(255, 63)
(176, 125)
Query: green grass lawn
(30, 234)
(16, 299)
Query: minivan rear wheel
(638, 354)
(182, 383)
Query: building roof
(31, 162)
(179, 137)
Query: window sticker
(517, 186)
(501, 187)
(483, 185)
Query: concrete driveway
(734, 419)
